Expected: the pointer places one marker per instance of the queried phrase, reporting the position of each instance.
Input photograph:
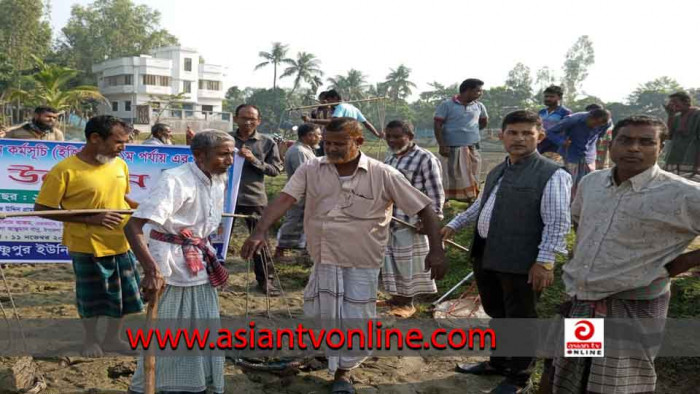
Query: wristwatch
(547, 266)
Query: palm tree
(399, 87)
(275, 57)
(305, 69)
(351, 86)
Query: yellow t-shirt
(75, 184)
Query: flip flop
(403, 311)
(342, 387)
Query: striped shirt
(554, 209)
(423, 170)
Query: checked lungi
(403, 273)
(460, 173)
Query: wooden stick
(72, 212)
(329, 104)
(149, 361)
(456, 245)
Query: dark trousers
(505, 295)
(261, 265)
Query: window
(115, 106)
(149, 80)
(163, 81)
(207, 108)
(128, 79)
(188, 64)
(187, 86)
(118, 80)
(209, 85)
(127, 106)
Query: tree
(234, 98)
(545, 77)
(24, 31)
(109, 29)
(519, 83)
(439, 93)
(578, 59)
(398, 84)
(650, 97)
(351, 86)
(275, 57)
(271, 103)
(306, 68)
(170, 102)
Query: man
(522, 219)
(184, 209)
(346, 221)
(291, 233)
(325, 112)
(684, 134)
(457, 126)
(261, 158)
(576, 137)
(161, 134)
(602, 146)
(552, 114)
(41, 127)
(343, 110)
(403, 272)
(634, 224)
(107, 282)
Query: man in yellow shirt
(107, 282)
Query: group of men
(522, 217)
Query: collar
(302, 144)
(411, 150)
(200, 175)
(254, 136)
(639, 181)
(455, 99)
(522, 161)
(363, 163)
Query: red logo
(584, 330)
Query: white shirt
(183, 198)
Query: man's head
(521, 131)
(399, 135)
(45, 118)
(679, 102)
(591, 107)
(342, 140)
(636, 143)
(106, 136)
(213, 151)
(553, 95)
(322, 97)
(309, 134)
(597, 118)
(332, 96)
(247, 118)
(163, 132)
(471, 89)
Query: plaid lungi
(106, 286)
(403, 272)
(578, 170)
(187, 373)
(291, 233)
(611, 375)
(460, 173)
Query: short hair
(240, 107)
(683, 97)
(322, 95)
(600, 113)
(348, 125)
(640, 120)
(471, 83)
(306, 128)
(333, 94)
(208, 139)
(42, 109)
(406, 127)
(103, 125)
(591, 107)
(158, 127)
(522, 116)
(554, 89)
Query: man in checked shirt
(403, 273)
(521, 219)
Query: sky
(440, 40)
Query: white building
(132, 84)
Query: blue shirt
(460, 125)
(583, 138)
(550, 119)
(345, 110)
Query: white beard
(401, 150)
(102, 159)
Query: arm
(272, 213)
(483, 117)
(556, 216)
(152, 280)
(371, 128)
(559, 132)
(435, 260)
(683, 263)
(433, 184)
(271, 165)
(107, 219)
(133, 204)
(467, 217)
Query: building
(140, 88)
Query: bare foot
(403, 311)
(92, 350)
(116, 346)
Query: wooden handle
(149, 361)
(71, 212)
(452, 243)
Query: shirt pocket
(364, 208)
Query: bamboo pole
(149, 362)
(329, 104)
(449, 242)
(75, 212)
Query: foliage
(578, 59)
(234, 98)
(352, 86)
(306, 68)
(276, 56)
(397, 84)
(271, 103)
(649, 97)
(162, 103)
(24, 32)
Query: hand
(679, 265)
(447, 233)
(305, 118)
(540, 277)
(189, 133)
(435, 262)
(152, 282)
(2, 131)
(111, 220)
(381, 134)
(419, 228)
(248, 154)
(252, 245)
(444, 151)
(567, 143)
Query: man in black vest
(522, 218)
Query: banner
(23, 166)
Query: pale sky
(444, 41)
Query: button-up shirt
(460, 125)
(251, 191)
(29, 132)
(549, 119)
(183, 198)
(554, 209)
(297, 155)
(627, 233)
(583, 138)
(347, 223)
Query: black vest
(515, 229)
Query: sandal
(342, 387)
(403, 311)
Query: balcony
(156, 90)
(210, 69)
(120, 89)
(211, 94)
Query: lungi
(291, 233)
(106, 286)
(403, 272)
(342, 295)
(611, 374)
(460, 173)
(189, 373)
(577, 171)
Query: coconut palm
(398, 84)
(275, 57)
(306, 68)
(351, 86)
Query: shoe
(267, 288)
(483, 368)
(508, 387)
